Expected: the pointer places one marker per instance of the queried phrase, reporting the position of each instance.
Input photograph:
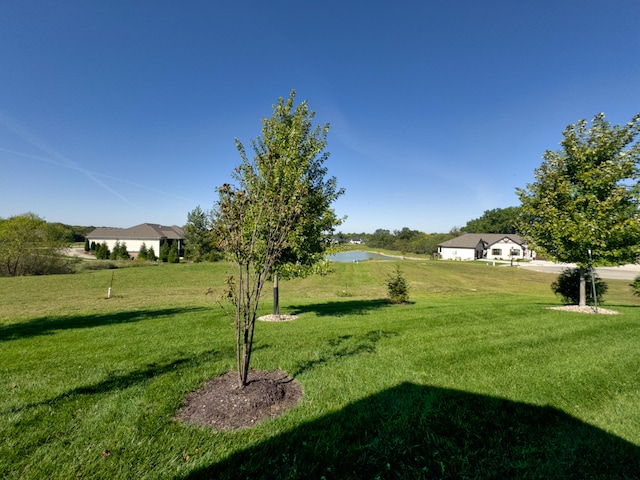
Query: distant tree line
(406, 240)
(201, 244)
(31, 246)
(498, 220)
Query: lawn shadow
(115, 381)
(50, 325)
(337, 309)
(412, 431)
(342, 347)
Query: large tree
(583, 206)
(31, 246)
(277, 214)
(199, 243)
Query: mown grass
(475, 379)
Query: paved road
(623, 272)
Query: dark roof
(471, 240)
(144, 231)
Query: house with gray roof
(151, 234)
(485, 246)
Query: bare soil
(223, 405)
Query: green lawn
(475, 379)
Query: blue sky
(118, 113)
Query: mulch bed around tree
(585, 309)
(278, 318)
(223, 405)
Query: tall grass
(477, 378)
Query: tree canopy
(498, 220)
(583, 205)
(278, 213)
(406, 240)
(199, 242)
(31, 246)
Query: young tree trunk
(276, 295)
(582, 288)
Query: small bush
(173, 256)
(102, 251)
(164, 252)
(120, 251)
(567, 286)
(635, 286)
(143, 252)
(398, 287)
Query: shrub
(164, 252)
(635, 286)
(143, 253)
(173, 256)
(120, 251)
(151, 254)
(102, 251)
(567, 286)
(398, 287)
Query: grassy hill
(476, 379)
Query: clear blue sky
(123, 112)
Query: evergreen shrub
(567, 286)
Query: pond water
(357, 256)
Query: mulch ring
(277, 318)
(585, 309)
(222, 405)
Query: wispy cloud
(55, 158)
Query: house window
(496, 252)
(515, 252)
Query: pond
(357, 256)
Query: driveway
(623, 272)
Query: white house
(152, 235)
(486, 246)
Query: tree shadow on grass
(114, 381)
(413, 431)
(49, 325)
(344, 346)
(337, 309)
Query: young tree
(151, 254)
(116, 251)
(102, 251)
(278, 213)
(173, 256)
(119, 251)
(164, 251)
(87, 246)
(143, 253)
(397, 287)
(583, 206)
